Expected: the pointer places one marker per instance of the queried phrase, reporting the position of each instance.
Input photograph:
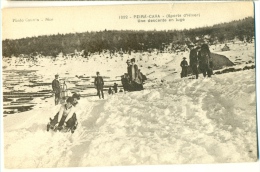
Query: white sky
(96, 18)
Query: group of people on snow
(115, 88)
(200, 60)
(134, 79)
(67, 118)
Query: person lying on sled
(65, 112)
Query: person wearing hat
(194, 62)
(99, 84)
(56, 89)
(184, 66)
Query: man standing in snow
(194, 60)
(56, 89)
(205, 61)
(99, 84)
(184, 66)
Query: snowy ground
(209, 120)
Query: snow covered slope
(209, 120)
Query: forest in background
(128, 40)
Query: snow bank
(209, 120)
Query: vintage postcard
(128, 85)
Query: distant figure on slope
(56, 89)
(194, 62)
(99, 84)
(63, 95)
(205, 61)
(110, 91)
(115, 87)
(184, 67)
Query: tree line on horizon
(127, 40)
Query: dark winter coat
(56, 86)
(115, 87)
(193, 57)
(204, 56)
(99, 83)
(110, 91)
(205, 61)
(184, 63)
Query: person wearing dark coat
(99, 84)
(125, 82)
(205, 61)
(110, 91)
(115, 87)
(184, 67)
(56, 89)
(194, 61)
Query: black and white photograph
(129, 85)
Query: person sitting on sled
(71, 121)
(66, 110)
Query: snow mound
(209, 120)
